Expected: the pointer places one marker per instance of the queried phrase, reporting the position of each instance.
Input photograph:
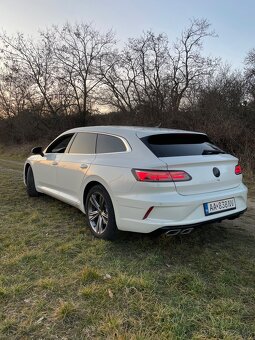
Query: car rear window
(180, 144)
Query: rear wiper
(212, 152)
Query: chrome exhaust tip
(172, 232)
(186, 231)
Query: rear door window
(84, 143)
(181, 144)
(108, 144)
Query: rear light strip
(161, 175)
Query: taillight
(161, 175)
(238, 169)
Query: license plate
(216, 207)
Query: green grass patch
(58, 281)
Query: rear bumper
(200, 224)
(174, 210)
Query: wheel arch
(89, 185)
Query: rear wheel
(31, 189)
(100, 213)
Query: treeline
(72, 75)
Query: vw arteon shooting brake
(139, 179)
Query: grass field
(58, 282)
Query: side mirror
(37, 151)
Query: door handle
(84, 166)
(54, 163)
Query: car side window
(84, 143)
(108, 144)
(60, 144)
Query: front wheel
(100, 213)
(31, 189)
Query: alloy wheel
(97, 212)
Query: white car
(139, 179)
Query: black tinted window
(106, 144)
(181, 144)
(84, 143)
(60, 144)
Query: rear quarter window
(109, 144)
(181, 144)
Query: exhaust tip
(174, 232)
(186, 231)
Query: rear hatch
(210, 168)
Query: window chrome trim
(127, 145)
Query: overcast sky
(233, 20)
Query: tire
(31, 189)
(100, 213)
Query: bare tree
(223, 94)
(16, 92)
(75, 68)
(35, 59)
(187, 64)
(80, 54)
(120, 82)
(149, 72)
(136, 78)
(250, 75)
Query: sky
(232, 20)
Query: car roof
(127, 131)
